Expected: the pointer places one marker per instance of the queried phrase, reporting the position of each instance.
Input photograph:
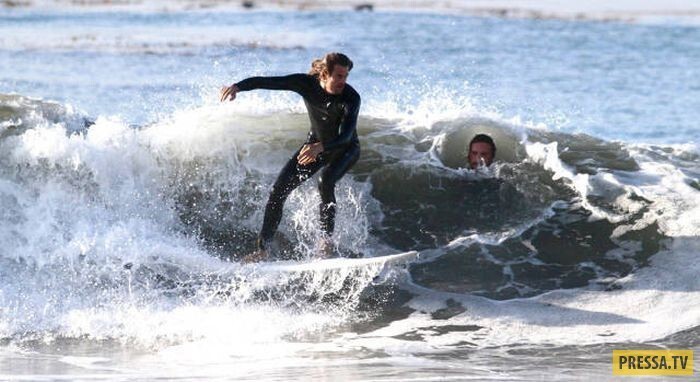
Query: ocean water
(128, 192)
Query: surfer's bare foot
(325, 248)
(255, 257)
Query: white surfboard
(335, 263)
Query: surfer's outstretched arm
(294, 82)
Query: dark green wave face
(513, 232)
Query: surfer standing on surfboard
(332, 143)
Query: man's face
(335, 83)
(478, 152)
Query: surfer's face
(335, 82)
(480, 152)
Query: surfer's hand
(229, 92)
(309, 153)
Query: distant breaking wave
(595, 10)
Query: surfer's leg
(326, 185)
(291, 176)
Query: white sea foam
(91, 212)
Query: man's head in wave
(482, 150)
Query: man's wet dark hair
(484, 139)
(323, 67)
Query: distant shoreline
(599, 10)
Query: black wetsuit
(333, 122)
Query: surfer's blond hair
(323, 67)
